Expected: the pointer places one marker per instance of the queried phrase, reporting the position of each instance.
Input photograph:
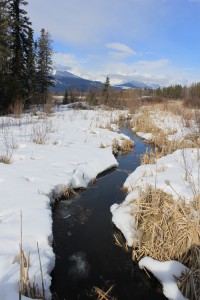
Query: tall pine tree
(20, 47)
(4, 52)
(24, 68)
(44, 65)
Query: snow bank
(68, 156)
(166, 272)
(176, 174)
(173, 126)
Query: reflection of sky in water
(79, 266)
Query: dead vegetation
(189, 284)
(144, 123)
(170, 227)
(104, 295)
(171, 230)
(124, 146)
(42, 130)
(26, 287)
(9, 146)
(64, 192)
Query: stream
(86, 253)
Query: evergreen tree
(44, 65)
(31, 68)
(4, 52)
(106, 85)
(20, 29)
(24, 70)
(66, 98)
(105, 91)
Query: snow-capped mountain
(64, 80)
(137, 84)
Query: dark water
(86, 254)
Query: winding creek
(86, 254)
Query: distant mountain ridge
(64, 80)
(137, 84)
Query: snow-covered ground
(177, 174)
(47, 155)
(173, 126)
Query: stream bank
(86, 253)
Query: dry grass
(143, 123)
(17, 107)
(66, 193)
(173, 106)
(9, 146)
(101, 295)
(26, 288)
(120, 242)
(115, 147)
(189, 284)
(149, 157)
(124, 147)
(41, 130)
(170, 227)
(164, 147)
(171, 230)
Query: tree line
(25, 63)
(189, 94)
(131, 98)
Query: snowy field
(177, 174)
(44, 157)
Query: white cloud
(64, 59)
(121, 50)
(154, 71)
(160, 63)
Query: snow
(123, 220)
(146, 136)
(69, 156)
(165, 272)
(173, 126)
(176, 174)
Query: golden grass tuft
(126, 146)
(149, 157)
(28, 289)
(189, 284)
(101, 295)
(164, 147)
(5, 159)
(170, 227)
(143, 123)
(115, 147)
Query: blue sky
(156, 41)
